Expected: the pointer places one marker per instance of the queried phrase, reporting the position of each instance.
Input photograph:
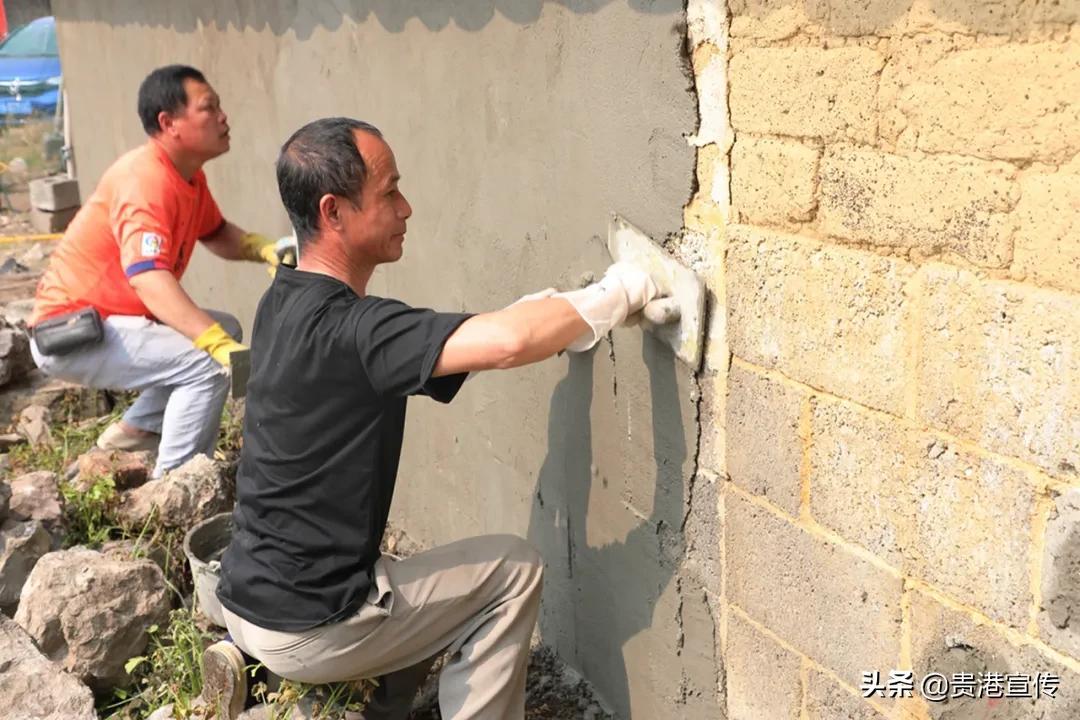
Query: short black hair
(320, 158)
(163, 91)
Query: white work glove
(624, 290)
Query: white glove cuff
(602, 305)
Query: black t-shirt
(323, 426)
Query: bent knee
(521, 553)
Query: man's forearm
(170, 303)
(226, 242)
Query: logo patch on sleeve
(151, 244)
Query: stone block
(927, 206)
(830, 317)
(1059, 615)
(948, 642)
(1003, 102)
(54, 193)
(835, 607)
(1048, 231)
(763, 679)
(828, 700)
(1000, 366)
(806, 92)
(960, 522)
(46, 222)
(764, 449)
(773, 181)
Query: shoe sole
(224, 681)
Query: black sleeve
(399, 345)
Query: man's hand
(217, 343)
(624, 290)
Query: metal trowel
(239, 372)
(677, 318)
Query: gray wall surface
(518, 126)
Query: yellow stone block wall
(890, 190)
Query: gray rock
(33, 425)
(67, 400)
(22, 544)
(10, 440)
(36, 496)
(90, 613)
(191, 493)
(164, 712)
(15, 358)
(5, 501)
(17, 312)
(32, 687)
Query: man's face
(375, 231)
(201, 127)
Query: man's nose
(405, 210)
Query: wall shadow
(599, 597)
(304, 16)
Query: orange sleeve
(139, 217)
(210, 218)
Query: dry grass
(25, 142)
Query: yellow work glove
(217, 343)
(259, 248)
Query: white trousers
(182, 390)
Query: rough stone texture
(948, 642)
(32, 687)
(33, 424)
(830, 317)
(805, 92)
(90, 613)
(960, 522)
(15, 358)
(22, 544)
(773, 180)
(764, 449)
(1008, 102)
(762, 676)
(704, 534)
(1047, 248)
(181, 498)
(54, 193)
(67, 400)
(36, 496)
(896, 201)
(827, 700)
(833, 606)
(1059, 616)
(5, 501)
(1000, 365)
(127, 469)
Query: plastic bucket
(204, 545)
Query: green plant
(171, 672)
(90, 512)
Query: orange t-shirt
(142, 216)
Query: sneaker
(224, 681)
(114, 438)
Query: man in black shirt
(304, 587)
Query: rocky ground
(97, 613)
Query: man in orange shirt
(124, 254)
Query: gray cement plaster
(518, 126)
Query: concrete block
(1000, 365)
(1059, 616)
(959, 522)
(1003, 102)
(830, 317)
(948, 642)
(1048, 231)
(773, 181)
(763, 678)
(833, 606)
(764, 449)
(51, 222)
(54, 193)
(806, 92)
(828, 700)
(927, 206)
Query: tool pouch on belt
(64, 333)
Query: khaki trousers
(476, 599)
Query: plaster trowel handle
(662, 311)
